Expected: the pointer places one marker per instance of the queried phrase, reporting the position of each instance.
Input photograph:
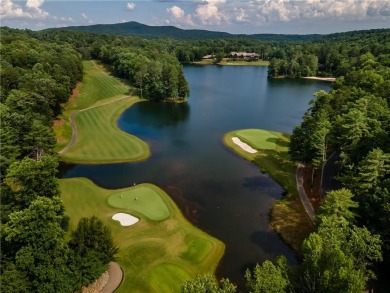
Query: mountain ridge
(133, 28)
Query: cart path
(302, 194)
(73, 124)
(115, 276)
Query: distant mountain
(138, 29)
(133, 28)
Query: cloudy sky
(255, 16)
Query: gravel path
(302, 194)
(73, 124)
(115, 278)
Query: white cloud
(209, 13)
(241, 15)
(130, 6)
(179, 17)
(176, 11)
(35, 7)
(290, 10)
(32, 10)
(86, 18)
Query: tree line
(36, 78)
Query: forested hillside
(352, 123)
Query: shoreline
(288, 217)
(330, 79)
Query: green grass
(230, 62)
(258, 138)
(97, 85)
(156, 256)
(288, 216)
(99, 140)
(144, 200)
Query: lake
(217, 190)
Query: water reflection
(221, 192)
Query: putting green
(141, 199)
(258, 138)
(155, 256)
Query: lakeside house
(208, 57)
(245, 56)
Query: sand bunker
(243, 145)
(125, 219)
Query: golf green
(258, 138)
(141, 199)
(155, 256)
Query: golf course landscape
(96, 139)
(288, 216)
(158, 253)
(161, 250)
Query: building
(245, 56)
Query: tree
(9, 149)
(93, 248)
(372, 169)
(268, 277)
(37, 240)
(319, 141)
(13, 280)
(207, 284)
(40, 140)
(219, 57)
(28, 179)
(338, 203)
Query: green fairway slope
(100, 141)
(288, 216)
(156, 256)
(95, 111)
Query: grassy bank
(288, 216)
(227, 61)
(96, 105)
(156, 256)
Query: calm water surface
(217, 190)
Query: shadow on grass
(278, 141)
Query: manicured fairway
(97, 85)
(96, 108)
(141, 199)
(288, 216)
(156, 256)
(99, 140)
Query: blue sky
(255, 16)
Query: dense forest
(38, 72)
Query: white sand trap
(125, 219)
(243, 145)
